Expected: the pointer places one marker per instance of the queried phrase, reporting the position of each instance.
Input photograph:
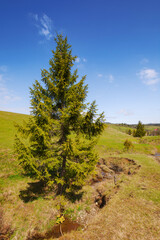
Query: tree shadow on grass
(33, 191)
(39, 189)
(74, 195)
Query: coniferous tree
(56, 146)
(129, 132)
(140, 132)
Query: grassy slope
(132, 213)
(112, 140)
(7, 129)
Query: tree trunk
(62, 173)
(62, 169)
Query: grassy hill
(7, 129)
(120, 201)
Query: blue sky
(117, 43)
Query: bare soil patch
(56, 232)
(110, 167)
(110, 170)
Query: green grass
(131, 213)
(112, 140)
(121, 128)
(7, 129)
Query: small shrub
(127, 145)
(129, 132)
(134, 133)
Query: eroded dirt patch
(110, 167)
(57, 231)
(109, 171)
(101, 199)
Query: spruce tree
(56, 145)
(140, 132)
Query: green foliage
(140, 132)
(134, 132)
(60, 219)
(128, 145)
(68, 212)
(129, 132)
(57, 144)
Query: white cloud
(125, 112)
(109, 77)
(100, 75)
(45, 32)
(44, 25)
(149, 76)
(77, 60)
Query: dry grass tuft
(5, 227)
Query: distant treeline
(134, 125)
(155, 131)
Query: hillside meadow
(121, 200)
